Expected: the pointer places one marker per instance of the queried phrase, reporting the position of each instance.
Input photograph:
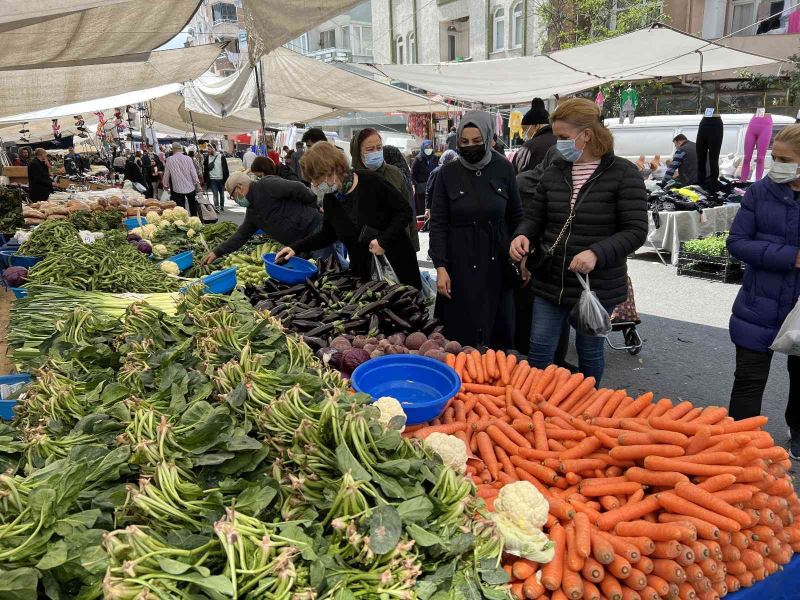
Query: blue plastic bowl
(296, 270)
(6, 406)
(12, 259)
(133, 222)
(19, 292)
(184, 260)
(221, 282)
(422, 385)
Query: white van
(649, 136)
(291, 135)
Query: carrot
(598, 402)
(660, 463)
(521, 402)
(676, 504)
(516, 591)
(654, 531)
(669, 570)
(717, 482)
(532, 588)
(629, 512)
(611, 588)
(559, 433)
(637, 405)
(502, 369)
(582, 535)
(552, 572)
(449, 428)
(679, 410)
(582, 449)
(655, 478)
(713, 458)
(699, 441)
(748, 424)
(691, 415)
(734, 496)
(659, 584)
(505, 462)
(580, 465)
(519, 374)
(592, 570)
(623, 548)
(584, 507)
(606, 489)
(529, 382)
(478, 359)
(544, 381)
(590, 591)
(486, 451)
(581, 391)
(561, 393)
(544, 474)
(482, 388)
(571, 584)
(460, 364)
(707, 500)
(574, 561)
(523, 568)
(512, 434)
(489, 364)
(602, 550)
(502, 440)
(561, 377)
(638, 452)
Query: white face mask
(428, 151)
(783, 172)
(324, 188)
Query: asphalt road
(687, 353)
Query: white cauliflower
(194, 223)
(452, 450)
(167, 214)
(191, 233)
(392, 414)
(179, 223)
(149, 230)
(164, 224)
(524, 501)
(160, 250)
(137, 231)
(169, 267)
(530, 543)
(153, 217)
(180, 213)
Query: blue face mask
(241, 200)
(568, 150)
(373, 160)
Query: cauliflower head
(164, 224)
(153, 217)
(169, 267)
(523, 502)
(180, 213)
(149, 230)
(160, 250)
(526, 542)
(179, 223)
(450, 449)
(392, 415)
(167, 214)
(194, 223)
(137, 231)
(191, 233)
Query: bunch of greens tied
(208, 455)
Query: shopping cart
(624, 320)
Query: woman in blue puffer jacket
(765, 235)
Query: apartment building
(346, 38)
(220, 21)
(420, 31)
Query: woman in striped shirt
(590, 211)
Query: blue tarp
(783, 585)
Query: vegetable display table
(783, 585)
(680, 226)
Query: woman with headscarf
(424, 164)
(367, 154)
(475, 209)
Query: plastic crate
(722, 268)
(6, 382)
(9, 258)
(19, 292)
(184, 260)
(134, 222)
(221, 282)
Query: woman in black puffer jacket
(607, 199)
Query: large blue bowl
(6, 406)
(422, 385)
(221, 282)
(184, 260)
(12, 259)
(19, 292)
(133, 222)
(295, 270)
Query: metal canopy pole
(260, 93)
(194, 133)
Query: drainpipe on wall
(488, 29)
(392, 49)
(524, 27)
(417, 39)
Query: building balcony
(779, 45)
(225, 28)
(332, 55)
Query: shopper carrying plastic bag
(588, 316)
(788, 339)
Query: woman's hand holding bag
(589, 316)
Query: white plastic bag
(588, 316)
(165, 196)
(427, 292)
(382, 270)
(788, 339)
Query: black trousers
(709, 144)
(184, 199)
(752, 371)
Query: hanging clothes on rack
(709, 144)
(515, 125)
(758, 134)
(600, 100)
(628, 101)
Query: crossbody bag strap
(573, 209)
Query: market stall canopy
(40, 88)
(300, 78)
(171, 111)
(60, 31)
(656, 51)
(272, 24)
(221, 96)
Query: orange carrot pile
(648, 499)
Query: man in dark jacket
(215, 174)
(538, 136)
(452, 139)
(285, 210)
(40, 186)
(684, 161)
(73, 165)
(152, 168)
(421, 169)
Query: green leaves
(347, 462)
(385, 529)
(415, 510)
(18, 584)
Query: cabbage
(15, 276)
(144, 247)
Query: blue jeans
(217, 187)
(548, 319)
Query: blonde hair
(322, 160)
(40, 152)
(790, 135)
(584, 114)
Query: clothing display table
(679, 226)
(783, 585)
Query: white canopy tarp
(657, 51)
(221, 96)
(171, 111)
(25, 90)
(299, 78)
(272, 24)
(54, 32)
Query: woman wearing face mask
(475, 207)
(590, 209)
(765, 235)
(421, 169)
(538, 136)
(285, 210)
(362, 210)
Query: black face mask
(472, 154)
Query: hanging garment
(515, 124)
(709, 144)
(628, 102)
(600, 100)
(498, 124)
(759, 132)
(794, 22)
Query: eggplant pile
(341, 304)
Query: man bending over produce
(285, 210)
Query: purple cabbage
(15, 276)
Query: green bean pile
(50, 236)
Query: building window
(223, 12)
(361, 39)
(327, 39)
(399, 46)
(412, 48)
(499, 29)
(516, 25)
(451, 47)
